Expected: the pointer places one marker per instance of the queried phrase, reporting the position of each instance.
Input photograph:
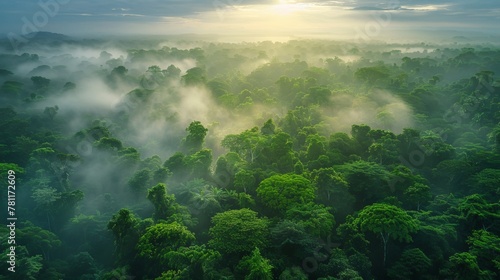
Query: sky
(365, 19)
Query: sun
(284, 7)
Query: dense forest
(197, 159)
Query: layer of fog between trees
(157, 129)
(151, 131)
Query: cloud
(272, 16)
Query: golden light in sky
(278, 18)
(287, 7)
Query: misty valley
(185, 157)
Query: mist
(115, 139)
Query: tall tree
(244, 180)
(464, 266)
(195, 138)
(124, 226)
(282, 192)
(478, 213)
(256, 267)
(486, 246)
(248, 144)
(194, 76)
(369, 182)
(360, 134)
(162, 201)
(238, 231)
(388, 221)
(199, 262)
(45, 199)
(158, 240)
(332, 188)
(417, 195)
(315, 218)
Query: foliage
(160, 239)
(282, 192)
(251, 160)
(388, 221)
(238, 231)
(256, 267)
(413, 264)
(315, 218)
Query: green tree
(478, 212)
(315, 218)
(163, 202)
(37, 240)
(69, 86)
(413, 264)
(299, 118)
(333, 190)
(384, 150)
(388, 221)
(206, 200)
(291, 237)
(317, 95)
(85, 227)
(268, 128)
(140, 181)
(279, 153)
(40, 83)
(464, 266)
(368, 181)
(486, 247)
(402, 178)
(28, 267)
(487, 182)
(372, 75)
(417, 195)
(238, 231)
(45, 199)
(342, 143)
(198, 261)
(360, 134)
(160, 239)
(119, 71)
(248, 144)
(82, 266)
(176, 164)
(349, 274)
(5, 167)
(256, 267)
(65, 208)
(11, 89)
(195, 138)
(51, 112)
(244, 180)
(108, 144)
(315, 148)
(198, 164)
(293, 273)
(194, 76)
(434, 148)
(437, 234)
(124, 225)
(172, 71)
(282, 192)
(337, 263)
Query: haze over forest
(250, 140)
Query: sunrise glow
(288, 7)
